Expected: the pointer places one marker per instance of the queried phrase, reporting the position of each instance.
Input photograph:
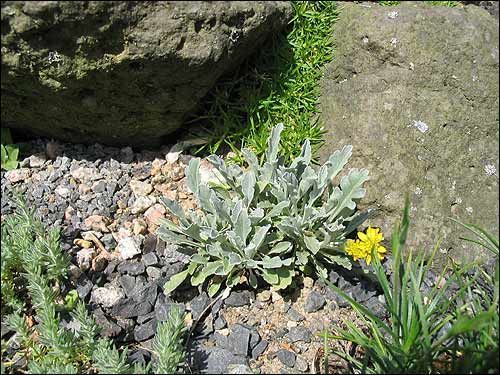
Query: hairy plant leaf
(271, 221)
(214, 287)
(251, 159)
(248, 186)
(312, 244)
(169, 236)
(304, 158)
(273, 144)
(270, 276)
(281, 247)
(277, 209)
(174, 282)
(197, 258)
(233, 279)
(204, 195)
(208, 270)
(242, 224)
(259, 237)
(234, 259)
(350, 188)
(338, 160)
(193, 175)
(274, 262)
(252, 279)
(175, 209)
(285, 275)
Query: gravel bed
(106, 201)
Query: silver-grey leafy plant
(270, 221)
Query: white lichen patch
(418, 191)
(392, 15)
(490, 169)
(421, 126)
(54, 57)
(234, 36)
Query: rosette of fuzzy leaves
(270, 220)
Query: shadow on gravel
(51, 149)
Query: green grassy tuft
(280, 84)
(450, 4)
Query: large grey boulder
(121, 72)
(414, 89)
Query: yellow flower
(354, 249)
(372, 235)
(361, 248)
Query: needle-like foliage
(33, 268)
(451, 328)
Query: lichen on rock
(422, 115)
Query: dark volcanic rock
(286, 357)
(238, 341)
(84, 286)
(140, 356)
(145, 331)
(363, 291)
(199, 304)
(213, 360)
(144, 318)
(314, 302)
(149, 245)
(108, 327)
(294, 315)
(220, 322)
(299, 334)
(259, 349)
(154, 273)
(131, 267)
(130, 308)
(150, 259)
(376, 306)
(128, 284)
(239, 298)
(140, 303)
(162, 308)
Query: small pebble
(286, 357)
(314, 302)
(264, 296)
